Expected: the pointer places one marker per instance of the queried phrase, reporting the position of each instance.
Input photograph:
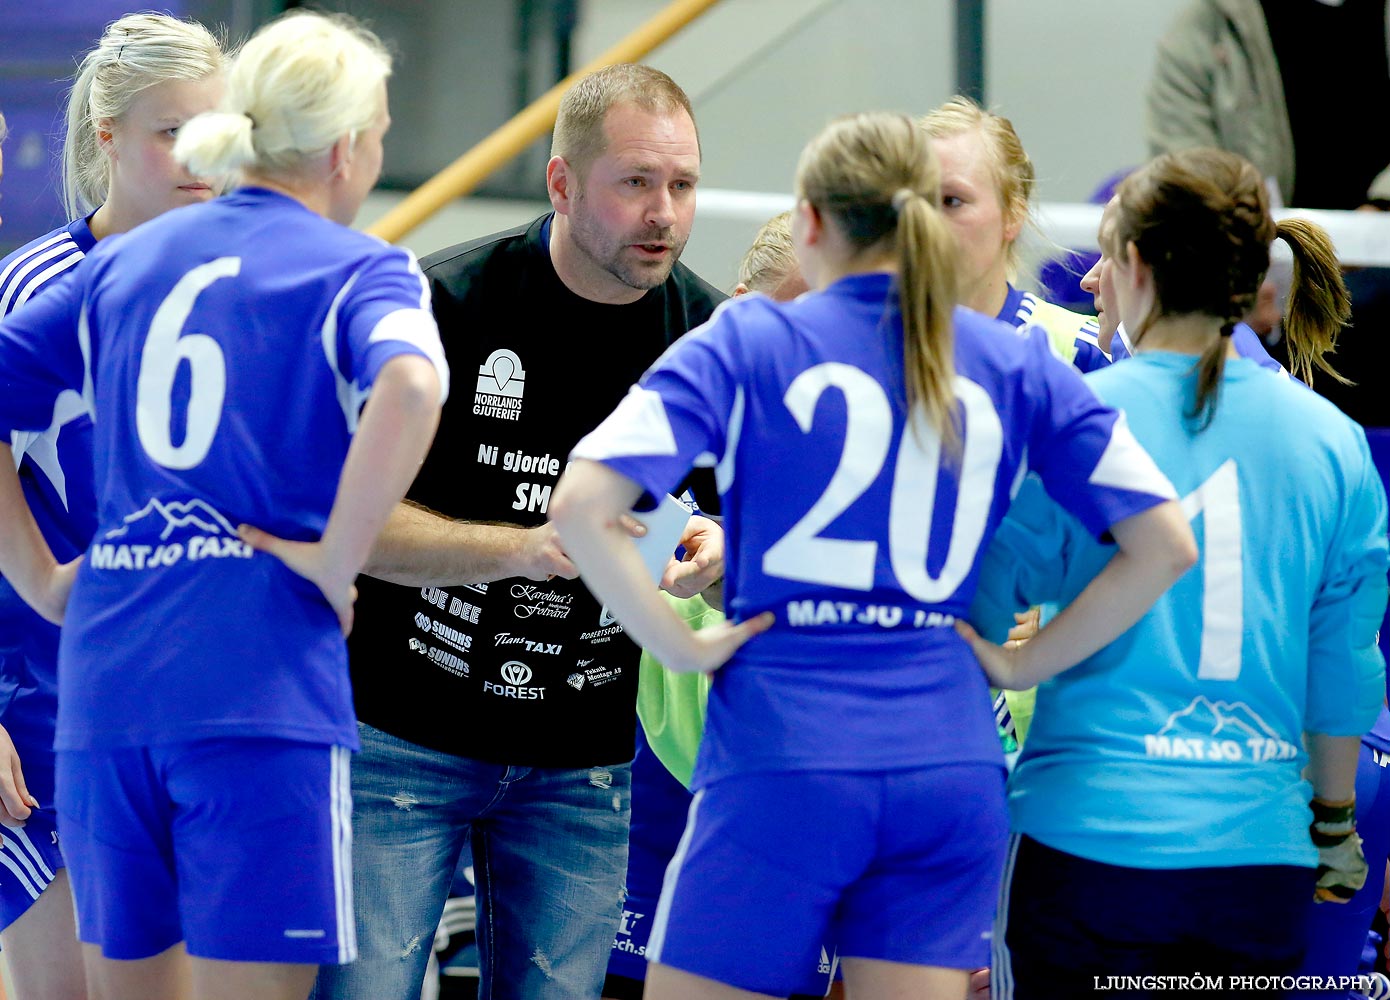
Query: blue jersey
(225, 350)
(55, 473)
(849, 525)
(1072, 335)
(1246, 341)
(1180, 744)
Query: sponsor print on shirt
(440, 658)
(608, 627)
(205, 534)
(501, 382)
(1220, 731)
(515, 678)
(594, 676)
(537, 602)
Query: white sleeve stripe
(350, 397)
(415, 327)
(44, 277)
(1125, 465)
(23, 258)
(24, 268)
(414, 263)
(639, 426)
(724, 471)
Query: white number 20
(802, 554)
(166, 345)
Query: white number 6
(166, 345)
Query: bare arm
(587, 510)
(1155, 548)
(1332, 764)
(420, 548)
(25, 558)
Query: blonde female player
(850, 767)
(146, 77)
(227, 350)
(987, 182)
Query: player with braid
(1179, 749)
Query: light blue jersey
(850, 526)
(1180, 744)
(1244, 338)
(225, 350)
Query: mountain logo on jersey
(215, 538)
(501, 383)
(605, 617)
(1219, 731)
(178, 514)
(1218, 718)
(575, 681)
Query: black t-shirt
(515, 671)
(1333, 64)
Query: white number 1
(1223, 617)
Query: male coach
(494, 694)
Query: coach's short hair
(579, 136)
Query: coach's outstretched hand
(311, 561)
(703, 565)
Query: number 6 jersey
(851, 525)
(225, 351)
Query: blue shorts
(901, 866)
(660, 804)
(239, 847)
(31, 856)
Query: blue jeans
(549, 858)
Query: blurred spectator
(1286, 83)
(1272, 80)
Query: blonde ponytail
(301, 83)
(1319, 304)
(216, 144)
(927, 292)
(873, 176)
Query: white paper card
(665, 525)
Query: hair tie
(901, 197)
(1228, 328)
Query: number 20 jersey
(850, 526)
(225, 350)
